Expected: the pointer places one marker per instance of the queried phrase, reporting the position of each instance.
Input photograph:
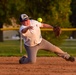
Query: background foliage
(73, 17)
(53, 12)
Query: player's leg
(31, 55)
(48, 46)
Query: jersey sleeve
(21, 28)
(38, 23)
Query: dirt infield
(43, 66)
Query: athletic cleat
(22, 59)
(72, 59)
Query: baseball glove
(57, 31)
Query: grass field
(69, 45)
(12, 48)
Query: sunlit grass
(12, 48)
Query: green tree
(10, 9)
(53, 12)
(73, 17)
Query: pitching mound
(43, 66)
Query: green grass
(12, 48)
(69, 46)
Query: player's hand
(57, 31)
(25, 29)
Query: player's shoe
(22, 59)
(72, 59)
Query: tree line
(53, 12)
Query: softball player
(33, 41)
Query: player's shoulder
(34, 21)
(22, 27)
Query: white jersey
(33, 36)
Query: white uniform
(33, 36)
(33, 42)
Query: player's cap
(23, 17)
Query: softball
(39, 19)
